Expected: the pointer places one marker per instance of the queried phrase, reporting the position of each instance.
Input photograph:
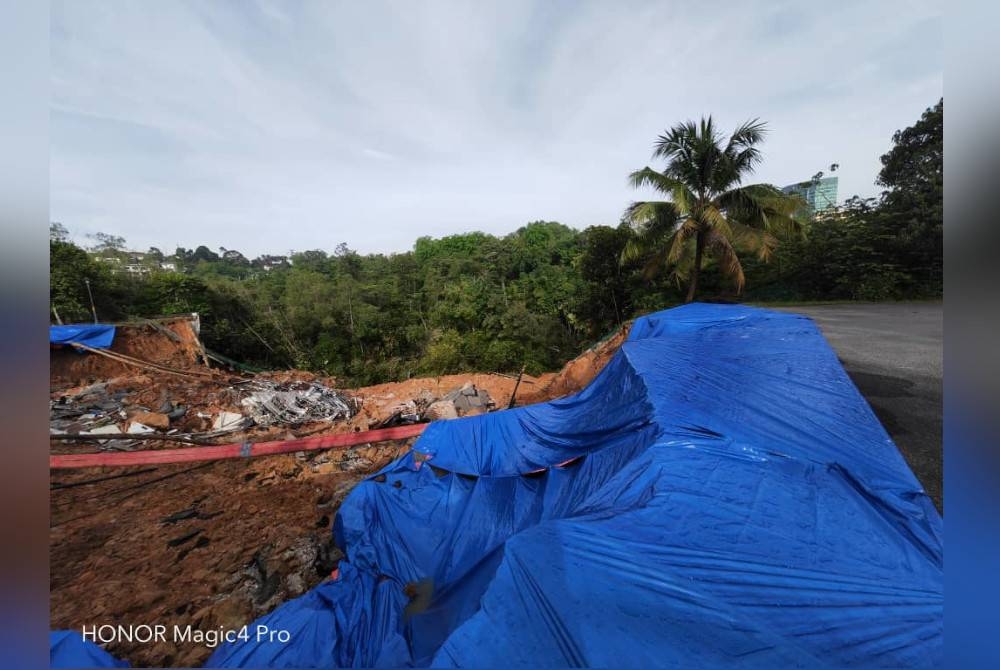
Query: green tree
(58, 232)
(70, 269)
(108, 243)
(913, 202)
(605, 300)
(709, 210)
(203, 253)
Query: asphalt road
(893, 352)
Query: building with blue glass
(819, 194)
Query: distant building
(820, 194)
(135, 263)
(268, 263)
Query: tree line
(535, 297)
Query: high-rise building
(819, 194)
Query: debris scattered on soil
(88, 409)
(295, 403)
(222, 543)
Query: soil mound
(172, 342)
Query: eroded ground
(220, 543)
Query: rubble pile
(214, 409)
(425, 406)
(90, 409)
(219, 543)
(296, 403)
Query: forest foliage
(532, 298)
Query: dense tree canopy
(913, 173)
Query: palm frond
(675, 188)
(690, 150)
(761, 242)
(725, 255)
(750, 133)
(763, 206)
(713, 218)
(687, 231)
(675, 141)
(680, 270)
(744, 162)
(654, 265)
(651, 223)
(641, 215)
(634, 249)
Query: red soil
(259, 530)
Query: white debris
(111, 429)
(226, 420)
(296, 403)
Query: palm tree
(709, 210)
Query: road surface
(893, 352)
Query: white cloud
(274, 125)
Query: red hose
(235, 450)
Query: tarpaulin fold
(68, 649)
(720, 495)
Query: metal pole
(92, 308)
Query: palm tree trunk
(699, 246)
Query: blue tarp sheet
(733, 502)
(98, 336)
(68, 649)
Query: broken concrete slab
(152, 419)
(441, 409)
(226, 420)
(467, 398)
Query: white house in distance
(136, 263)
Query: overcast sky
(267, 127)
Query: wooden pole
(91, 295)
(513, 394)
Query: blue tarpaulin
(720, 495)
(98, 336)
(68, 649)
